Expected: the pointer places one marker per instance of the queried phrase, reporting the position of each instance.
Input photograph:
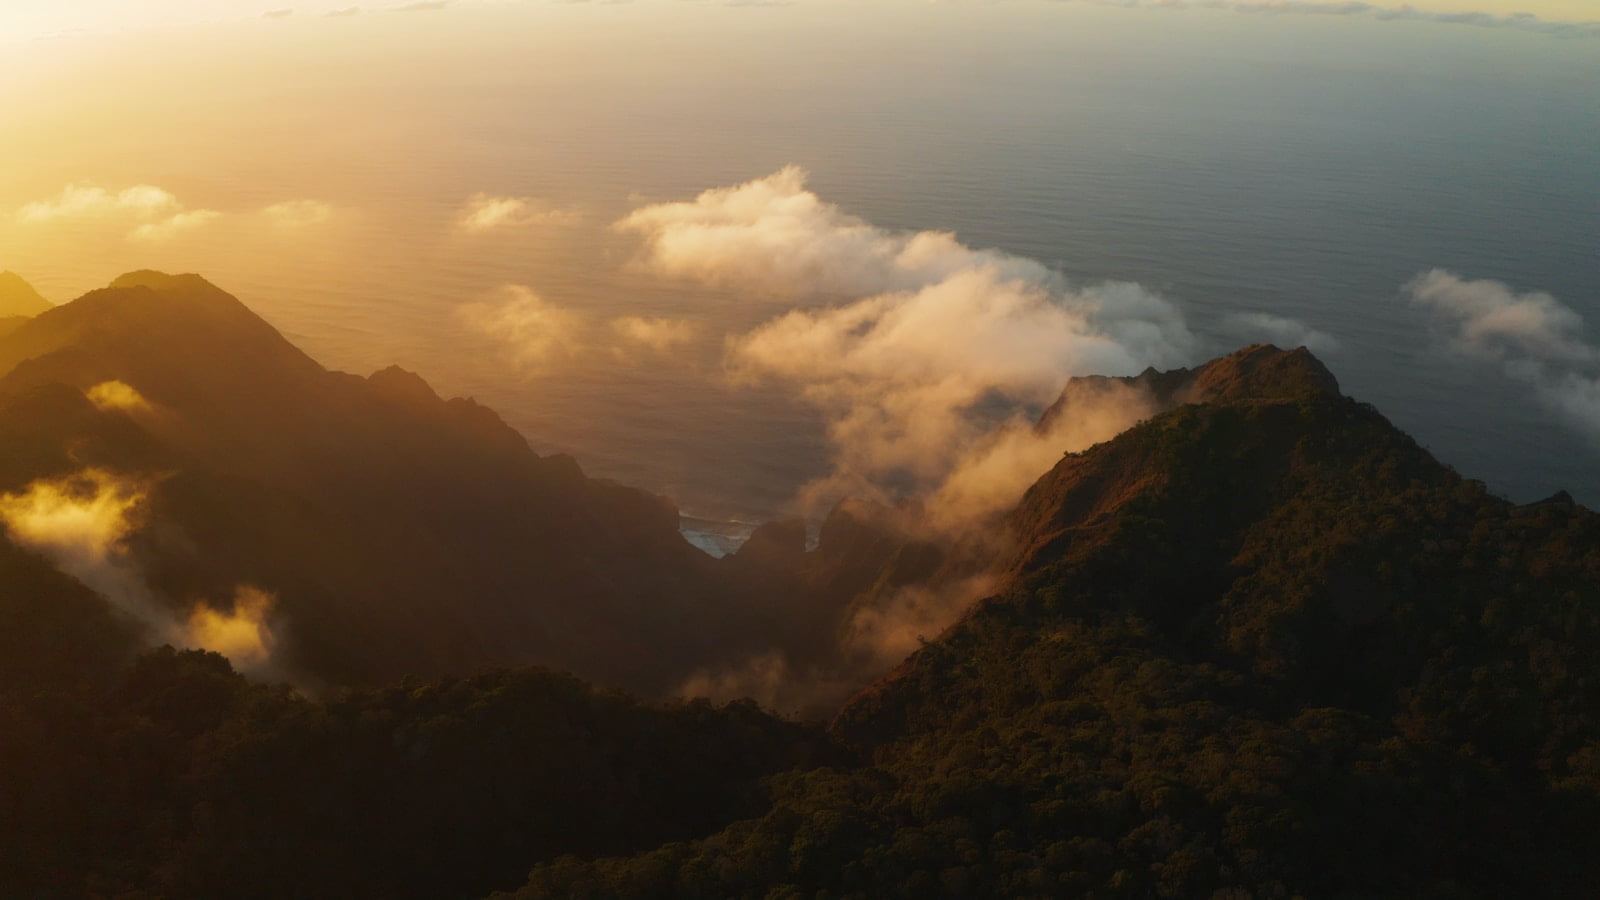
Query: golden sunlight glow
(242, 633)
(31, 19)
(82, 518)
(485, 213)
(118, 395)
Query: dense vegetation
(1261, 645)
(1283, 653)
(177, 777)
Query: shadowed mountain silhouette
(1261, 644)
(878, 564)
(18, 298)
(401, 532)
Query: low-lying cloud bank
(82, 523)
(930, 362)
(1519, 21)
(487, 212)
(930, 359)
(148, 214)
(1535, 338)
(297, 213)
(1280, 330)
(535, 332)
(118, 395)
(539, 335)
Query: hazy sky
(27, 19)
(365, 180)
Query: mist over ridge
(1261, 172)
(1198, 620)
(799, 448)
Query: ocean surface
(1306, 167)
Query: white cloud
(1488, 319)
(773, 236)
(82, 522)
(485, 212)
(1535, 338)
(934, 356)
(154, 214)
(1520, 21)
(84, 200)
(297, 213)
(658, 334)
(174, 225)
(535, 332)
(117, 395)
(1284, 332)
(242, 632)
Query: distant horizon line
(1521, 20)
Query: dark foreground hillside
(398, 532)
(174, 777)
(1263, 645)
(1260, 645)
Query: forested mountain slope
(360, 504)
(1262, 645)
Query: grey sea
(1304, 167)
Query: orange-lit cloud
(535, 332)
(117, 395)
(154, 214)
(773, 236)
(79, 521)
(484, 212)
(82, 523)
(934, 356)
(241, 632)
(174, 225)
(659, 334)
(876, 635)
(82, 200)
(297, 213)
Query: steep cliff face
(400, 532)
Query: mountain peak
(18, 298)
(1257, 372)
(403, 385)
(164, 283)
(158, 332)
(1261, 372)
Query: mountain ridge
(1261, 643)
(18, 299)
(428, 497)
